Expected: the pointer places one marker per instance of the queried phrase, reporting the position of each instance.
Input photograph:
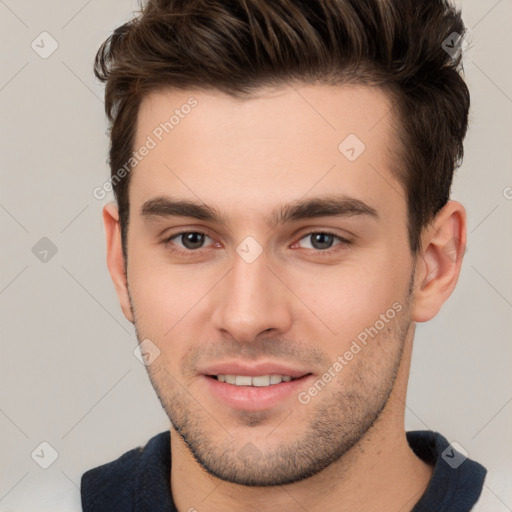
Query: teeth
(258, 381)
(262, 380)
(243, 380)
(276, 379)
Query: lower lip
(254, 398)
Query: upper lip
(253, 369)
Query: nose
(251, 300)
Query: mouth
(260, 381)
(254, 387)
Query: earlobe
(443, 244)
(115, 257)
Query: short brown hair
(238, 46)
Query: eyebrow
(324, 206)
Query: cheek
(350, 299)
(167, 298)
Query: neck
(379, 473)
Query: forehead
(274, 146)
(290, 113)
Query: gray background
(68, 375)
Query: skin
(295, 303)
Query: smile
(258, 380)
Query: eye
(323, 240)
(191, 241)
(188, 242)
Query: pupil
(192, 240)
(321, 238)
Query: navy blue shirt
(139, 480)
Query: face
(269, 266)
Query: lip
(254, 398)
(253, 370)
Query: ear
(443, 244)
(115, 257)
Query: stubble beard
(337, 419)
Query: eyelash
(187, 252)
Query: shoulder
(116, 483)
(457, 481)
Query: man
(282, 172)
